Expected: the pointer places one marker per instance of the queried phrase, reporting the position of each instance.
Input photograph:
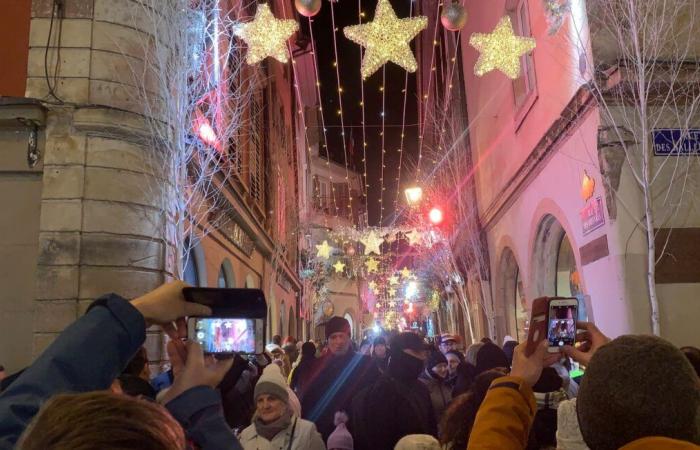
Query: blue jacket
(88, 356)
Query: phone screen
(562, 325)
(224, 335)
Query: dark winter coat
(440, 393)
(388, 410)
(88, 356)
(330, 386)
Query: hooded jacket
(440, 393)
(504, 420)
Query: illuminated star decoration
(339, 266)
(266, 36)
(324, 250)
(501, 49)
(386, 38)
(372, 265)
(392, 304)
(393, 280)
(392, 292)
(414, 237)
(372, 285)
(372, 242)
(406, 273)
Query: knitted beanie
(418, 442)
(272, 382)
(489, 357)
(340, 438)
(434, 359)
(634, 387)
(337, 325)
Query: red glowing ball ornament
(307, 8)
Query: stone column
(104, 211)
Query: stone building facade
(559, 208)
(89, 209)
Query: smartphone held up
(237, 324)
(553, 319)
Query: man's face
(447, 346)
(452, 363)
(339, 343)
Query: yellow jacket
(505, 417)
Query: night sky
(346, 13)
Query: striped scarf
(550, 400)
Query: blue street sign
(676, 142)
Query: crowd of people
(92, 389)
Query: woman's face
(452, 363)
(269, 408)
(440, 370)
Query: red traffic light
(435, 216)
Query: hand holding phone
(561, 323)
(226, 335)
(591, 340)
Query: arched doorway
(554, 268)
(226, 278)
(512, 313)
(292, 328)
(193, 268)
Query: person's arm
(200, 413)
(87, 356)
(505, 417)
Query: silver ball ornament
(307, 8)
(453, 17)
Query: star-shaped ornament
(372, 242)
(392, 292)
(406, 273)
(393, 280)
(339, 266)
(266, 36)
(323, 250)
(392, 304)
(372, 285)
(372, 265)
(414, 237)
(386, 38)
(501, 49)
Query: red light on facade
(207, 133)
(435, 216)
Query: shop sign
(592, 216)
(676, 142)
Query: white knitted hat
(272, 382)
(417, 442)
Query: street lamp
(413, 195)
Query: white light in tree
(413, 195)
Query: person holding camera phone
(639, 393)
(61, 400)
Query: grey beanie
(272, 382)
(635, 387)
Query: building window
(222, 281)
(190, 273)
(257, 147)
(281, 209)
(567, 280)
(525, 87)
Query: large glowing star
(266, 36)
(393, 280)
(501, 49)
(372, 242)
(406, 273)
(372, 265)
(339, 266)
(386, 38)
(392, 292)
(323, 250)
(414, 237)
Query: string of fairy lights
(386, 38)
(365, 186)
